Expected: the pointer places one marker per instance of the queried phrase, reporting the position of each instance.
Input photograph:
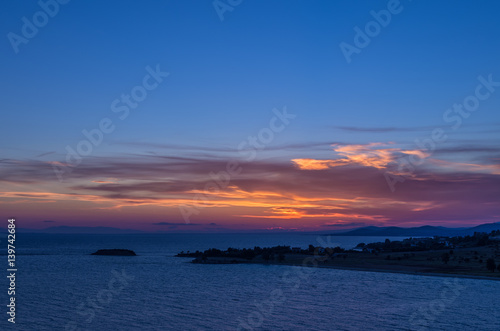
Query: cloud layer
(459, 185)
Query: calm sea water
(59, 286)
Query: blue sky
(227, 76)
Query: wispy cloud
(478, 128)
(349, 188)
(45, 154)
(378, 129)
(377, 155)
(175, 224)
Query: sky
(249, 115)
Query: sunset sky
(166, 118)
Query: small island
(115, 252)
(476, 256)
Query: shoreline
(356, 268)
(461, 257)
(416, 273)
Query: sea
(60, 286)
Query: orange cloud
(312, 164)
(266, 192)
(292, 213)
(375, 155)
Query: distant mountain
(422, 231)
(390, 231)
(488, 227)
(80, 230)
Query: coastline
(407, 272)
(357, 268)
(463, 257)
(425, 263)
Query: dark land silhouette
(115, 252)
(476, 255)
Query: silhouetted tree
(491, 265)
(445, 258)
(281, 257)
(266, 256)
